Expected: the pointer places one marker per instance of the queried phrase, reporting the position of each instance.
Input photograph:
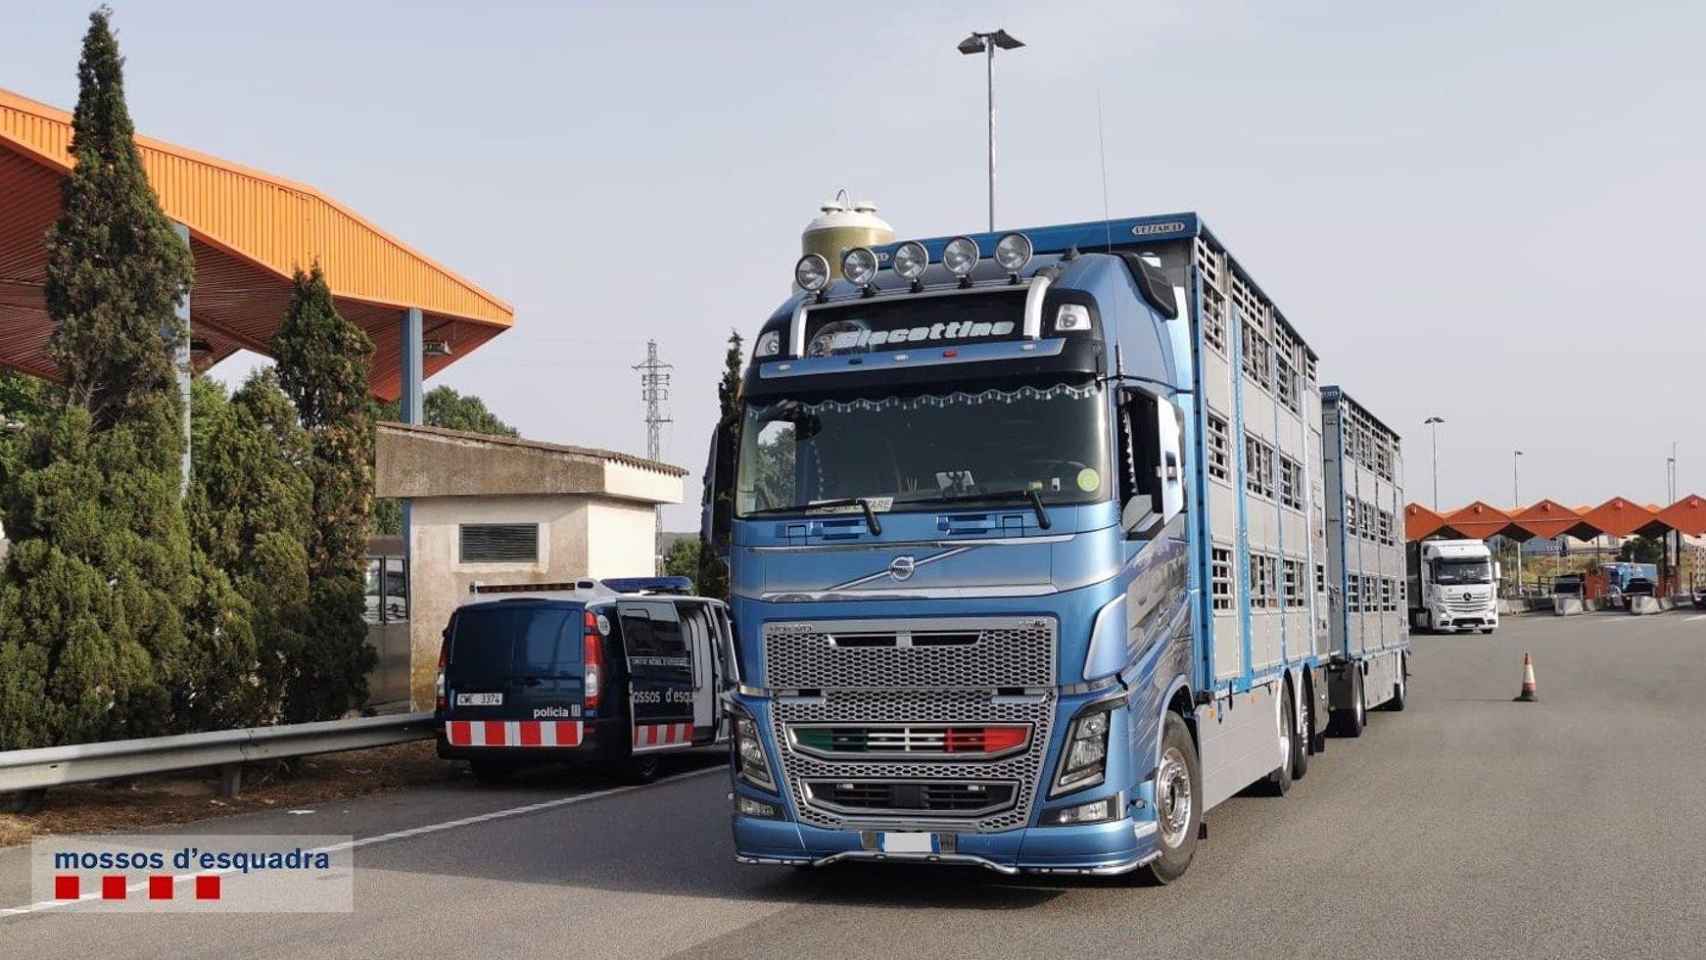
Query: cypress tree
(322, 367)
(92, 632)
(713, 578)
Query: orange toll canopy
(1550, 519)
(1621, 517)
(248, 231)
(1479, 520)
(1687, 515)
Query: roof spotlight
(1013, 251)
(859, 266)
(910, 260)
(960, 256)
(811, 272)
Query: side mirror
(1171, 468)
(716, 505)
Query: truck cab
(1453, 586)
(973, 508)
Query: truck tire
(1400, 690)
(1178, 801)
(1280, 780)
(1304, 742)
(1487, 630)
(1349, 721)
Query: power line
(654, 390)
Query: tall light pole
(985, 43)
(1516, 506)
(1435, 422)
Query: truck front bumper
(1099, 849)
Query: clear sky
(1486, 212)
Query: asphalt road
(1466, 826)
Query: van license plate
(479, 699)
(908, 842)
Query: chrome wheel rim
(1284, 719)
(1173, 797)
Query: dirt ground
(194, 795)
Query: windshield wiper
(1030, 496)
(863, 503)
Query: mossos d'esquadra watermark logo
(193, 873)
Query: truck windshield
(926, 448)
(1462, 571)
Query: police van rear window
(498, 641)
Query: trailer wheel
(1178, 801)
(1349, 721)
(1400, 690)
(1280, 779)
(1304, 742)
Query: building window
(1214, 320)
(1351, 528)
(1383, 460)
(499, 543)
(1386, 594)
(1291, 483)
(1386, 536)
(1320, 578)
(1220, 577)
(1258, 467)
(1353, 597)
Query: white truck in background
(1452, 585)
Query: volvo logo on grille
(901, 568)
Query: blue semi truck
(1027, 551)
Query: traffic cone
(1527, 695)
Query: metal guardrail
(31, 771)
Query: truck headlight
(750, 760)
(1084, 760)
(769, 345)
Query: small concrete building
(503, 510)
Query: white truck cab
(1453, 585)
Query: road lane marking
(1698, 616)
(44, 905)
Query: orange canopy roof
(1549, 519)
(1421, 523)
(1687, 515)
(1479, 520)
(248, 231)
(1620, 517)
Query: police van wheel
(491, 772)
(640, 768)
(1178, 801)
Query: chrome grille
(949, 707)
(910, 654)
(1459, 605)
(859, 741)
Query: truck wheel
(1400, 690)
(491, 772)
(1178, 801)
(1487, 630)
(1279, 781)
(1303, 743)
(1349, 721)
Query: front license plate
(908, 842)
(479, 699)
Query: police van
(612, 673)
